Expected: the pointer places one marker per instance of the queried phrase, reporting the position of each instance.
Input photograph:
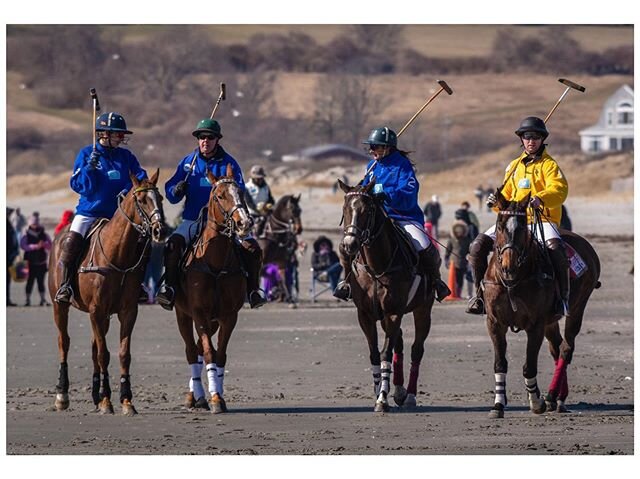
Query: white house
(614, 130)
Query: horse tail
(598, 284)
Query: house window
(625, 113)
(609, 118)
(627, 144)
(594, 145)
(613, 144)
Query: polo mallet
(96, 108)
(221, 96)
(443, 87)
(570, 85)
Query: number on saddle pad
(576, 263)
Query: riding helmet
(208, 125)
(532, 123)
(382, 136)
(112, 121)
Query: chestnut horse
(279, 239)
(213, 289)
(521, 294)
(384, 286)
(109, 281)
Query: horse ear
(134, 179)
(370, 185)
(211, 177)
(501, 201)
(343, 186)
(525, 201)
(297, 198)
(154, 177)
(229, 170)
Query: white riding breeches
(81, 224)
(419, 238)
(550, 230)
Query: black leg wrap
(105, 389)
(63, 379)
(95, 388)
(125, 388)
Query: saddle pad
(577, 265)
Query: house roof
(330, 150)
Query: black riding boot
(71, 249)
(173, 251)
(561, 269)
(429, 264)
(343, 288)
(252, 258)
(478, 258)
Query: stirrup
(257, 298)
(475, 306)
(342, 291)
(166, 297)
(442, 290)
(64, 294)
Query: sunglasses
(377, 147)
(531, 136)
(207, 137)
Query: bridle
(228, 225)
(148, 220)
(285, 226)
(522, 254)
(362, 235)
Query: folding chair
(320, 281)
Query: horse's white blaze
(501, 388)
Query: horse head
(148, 205)
(226, 208)
(288, 212)
(359, 213)
(513, 237)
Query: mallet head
(446, 87)
(571, 84)
(223, 91)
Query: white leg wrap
(195, 383)
(385, 370)
(533, 392)
(501, 388)
(211, 377)
(375, 371)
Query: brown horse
(213, 289)
(279, 239)
(109, 281)
(384, 287)
(521, 294)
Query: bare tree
(343, 107)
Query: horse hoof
(497, 412)
(381, 407)
(189, 401)
(128, 409)
(293, 306)
(105, 406)
(400, 395)
(410, 402)
(562, 408)
(218, 404)
(202, 404)
(62, 402)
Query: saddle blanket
(577, 265)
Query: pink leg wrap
(398, 372)
(559, 376)
(412, 388)
(564, 386)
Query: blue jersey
(199, 187)
(98, 188)
(396, 178)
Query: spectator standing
(479, 194)
(325, 260)
(65, 219)
(13, 250)
(471, 220)
(458, 247)
(19, 222)
(433, 212)
(36, 243)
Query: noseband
(227, 226)
(363, 235)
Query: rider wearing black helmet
(398, 185)
(99, 175)
(537, 174)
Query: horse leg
(61, 318)
(196, 396)
(498, 334)
(399, 391)
(391, 326)
(127, 322)
(554, 338)
(370, 331)
(572, 326)
(101, 357)
(422, 323)
(530, 370)
(227, 324)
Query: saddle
(407, 252)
